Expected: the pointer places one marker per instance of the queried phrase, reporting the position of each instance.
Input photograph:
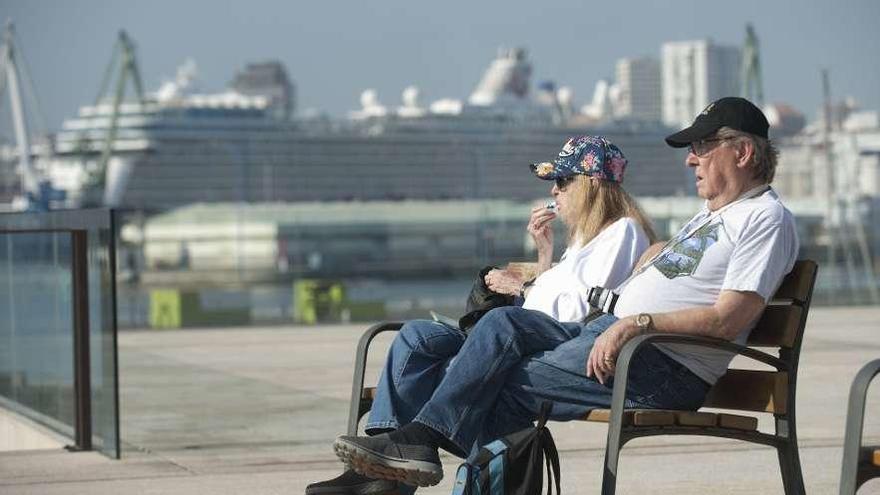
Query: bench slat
(665, 417)
(737, 422)
(696, 418)
(651, 417)
(750, 390)
(597, 415)
(601, 416)
(777, 327)
(638, 417)
(797, 284)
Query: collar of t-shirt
(577, 244)
(705, 216)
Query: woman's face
(563, 193)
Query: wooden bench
(781, 327)
(860, 463)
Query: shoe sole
(360, 491)
(376, 465)
(377, 487)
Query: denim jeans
(492, 383)
(414, 367)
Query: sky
(335, 49)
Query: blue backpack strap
(496, 467)
(496, 475)
(496, 447)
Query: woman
(607, 232)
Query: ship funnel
(506, 79)
(410, 96)
(410, 99)
(370, 106)
(602, 106)
(370, 99)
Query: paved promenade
(254, 410)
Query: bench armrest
(360, 366)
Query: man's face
(714, 163)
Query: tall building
(640, 94)
(695, 73)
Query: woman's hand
(503, 282)
(541, 229)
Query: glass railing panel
(36, 326)
(102, 340)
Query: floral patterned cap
(593, 156)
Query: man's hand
(503, 282)
(603, 355)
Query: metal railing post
(81, 362)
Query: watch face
(643, 320)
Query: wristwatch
(644, 322)
(525, 287)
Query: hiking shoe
(352, 483)
(379, 457)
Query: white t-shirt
(605, 261)
(749, 247)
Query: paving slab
(254, 410)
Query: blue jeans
(493, 383)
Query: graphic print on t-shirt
(684, 257)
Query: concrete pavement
(254, 410)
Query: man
(712, 279)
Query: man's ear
(745, 150)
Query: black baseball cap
(736, 113)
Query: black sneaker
(379, 457)
(352, 483)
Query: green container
(173, 308)
(318, 301)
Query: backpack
(512, 465)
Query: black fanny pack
(481, 300)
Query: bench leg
(609, 475)
(790, 466)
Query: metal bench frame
(795, 291)
(858, 461)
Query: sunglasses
(704, 146)
(564, 182)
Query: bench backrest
(782, 326)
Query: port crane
(123, 64)
(750, 68)
(37, 191)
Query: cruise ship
(182, 147)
